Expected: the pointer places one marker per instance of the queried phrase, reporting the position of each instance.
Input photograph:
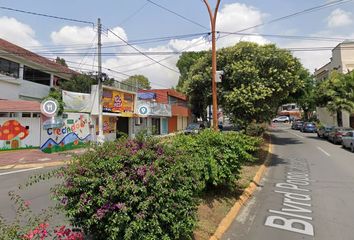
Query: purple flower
(159, 151)
(64, 201)
(119, 206)
(101, 213)
(141, 171)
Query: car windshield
(310, 125)
(193, 126)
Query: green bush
(218, 156)
(131, 189)
(255, 129)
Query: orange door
(172, 124)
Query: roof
(19, 106)
(33, 57)
(167, 92)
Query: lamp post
(212, 16)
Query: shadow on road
(276, 140)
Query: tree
(257, 79)
(83, 82)
(337, 94)
(138, 80)
(79, 83)
(61, 61)
(56, 94)
(184, 64)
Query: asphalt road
(38, 195)
(307, 192)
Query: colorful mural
(74, 134)
(11, 135)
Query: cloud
(339, 18)
(85, 35)
(17, 32)
(235, 17)
(231, 18)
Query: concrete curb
(247, 193)
(32, 165)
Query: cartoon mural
(11, 134)
(74, 134)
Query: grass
(218, 202)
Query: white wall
(33, 90)
(34, 126)
(9, 89)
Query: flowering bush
(131, 189)
(30, 226)
(220, 155)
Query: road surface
(307, 192)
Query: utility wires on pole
(100, 137)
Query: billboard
(118, 102)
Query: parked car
(284, 119)
(348, 140)
(323, 131)
(336, 134)
(308, 127)
(297, 125)
(194, 128)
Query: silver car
(348, 140)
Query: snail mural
(11, 134)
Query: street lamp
(213, 58)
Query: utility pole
(100, 137)
(213, 59)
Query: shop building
(181, 114)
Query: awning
(19, 106)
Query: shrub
(255, 129)
(131, 189)
(218, 156)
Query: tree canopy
(337, 94)
(138, 80)
(257, 79)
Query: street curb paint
(247, 193)
(32, 165)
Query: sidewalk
(34, 157)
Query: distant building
(342, 60)
(26, 75)
(181, 113)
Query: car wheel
(334, 141)
(318, 135)
(352, 147)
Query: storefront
(154, 117)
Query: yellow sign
(118, 102)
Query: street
(37, 194)
(307, 192)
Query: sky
(151, 28)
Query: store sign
(154, 109)
(118, 102)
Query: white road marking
(19, 171)
(319, 148)
(295, 134)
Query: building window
(26, 115)
(36, 115)
(4, 114)
(9, 68)
(36, 76)
(13, 114)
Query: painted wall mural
(11, 134)
(74, 134)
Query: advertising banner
(118, 102)
(80, 102)
(154, 109)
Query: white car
(348, 140)
(284, 119)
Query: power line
(48, 16)
(136, 49)
(312, 9)
(177, 14)
(133, 14)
